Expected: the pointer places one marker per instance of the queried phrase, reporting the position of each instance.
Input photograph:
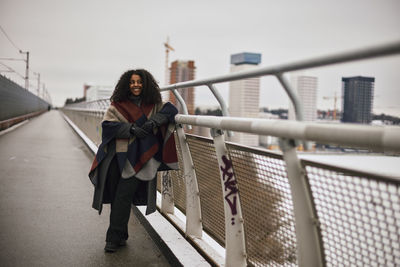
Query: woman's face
(135, 85)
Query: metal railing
(274, 209)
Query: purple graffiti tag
(166, 182)
(229, 184)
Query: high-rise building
(358, 94)
(244, 94)
(181, 71)
(96, 92)
(306, 87)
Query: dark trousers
(121, 209)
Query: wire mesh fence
(208, 178)
(359, 216)
(179, 181)
(359, 213)
(266, 205)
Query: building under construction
(181, 71)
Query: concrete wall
(88, 122)
(15, 101)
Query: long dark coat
(120, 147)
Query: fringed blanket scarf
(139, 157)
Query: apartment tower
(181, 71)
(244, 94)
(358, 96)
(306, 87)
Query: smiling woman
(137, 141)
(131, 81)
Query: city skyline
(73, 43)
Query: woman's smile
(135, 85)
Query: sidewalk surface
(46, 217)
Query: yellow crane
(334, 103)
(168, 48)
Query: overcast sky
(75, 42)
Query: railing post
(310, 251)
(167, 193)
(193, 211)
(294, 98)
(235, 246)
(221, 102)
(183, 104)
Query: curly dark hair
(150, 90)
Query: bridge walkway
(46, 217)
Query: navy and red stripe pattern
(160, 146)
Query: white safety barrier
(276, 209)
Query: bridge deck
(46, 217)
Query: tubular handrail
(278, 72)
(84, 109)
(375, 138)
(366, 53)
(310, 247)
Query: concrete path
(46, 217)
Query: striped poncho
(141, 158)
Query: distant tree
(69, 101)
(384, 117)
(209, 112)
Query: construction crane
(334, 103)
(168, 48)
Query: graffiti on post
(230, 186)
(166, 184)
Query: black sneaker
(111, 247)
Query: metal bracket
(216, 132)
(221, 102)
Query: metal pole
(38, 84)
(294, 98)
(221, 102)
(374, 138)
(167, 193)
(194, 225)
(26, 69)
(308, 233)
(183, 104)
(235, 253)
(292, 94)
(360, 54)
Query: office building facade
(358, 96)
(306, 87)
(244, 95)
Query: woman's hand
(149, 125)
(139, 132)
(159, 119)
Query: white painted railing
(318, 224)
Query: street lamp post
(38, 84)
(26, 69)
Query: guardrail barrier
(271, 208)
